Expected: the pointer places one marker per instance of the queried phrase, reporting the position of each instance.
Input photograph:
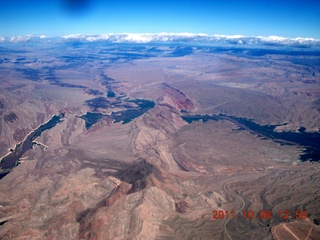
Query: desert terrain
(154, 139)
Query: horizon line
(168, 37)
(151, 33)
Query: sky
(286, 18)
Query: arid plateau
(159, 141)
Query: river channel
(11, 160)
(310, 141)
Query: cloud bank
(172, 37)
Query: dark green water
(10, 161)
(310, 141)
(124, 116)
(91, 118)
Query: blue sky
(287, 18)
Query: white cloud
(138, 38)
(176, 37)
(24, 38)
(73, 36)
(20, 38)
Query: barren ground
(158, 177)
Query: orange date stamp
(262, 214)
